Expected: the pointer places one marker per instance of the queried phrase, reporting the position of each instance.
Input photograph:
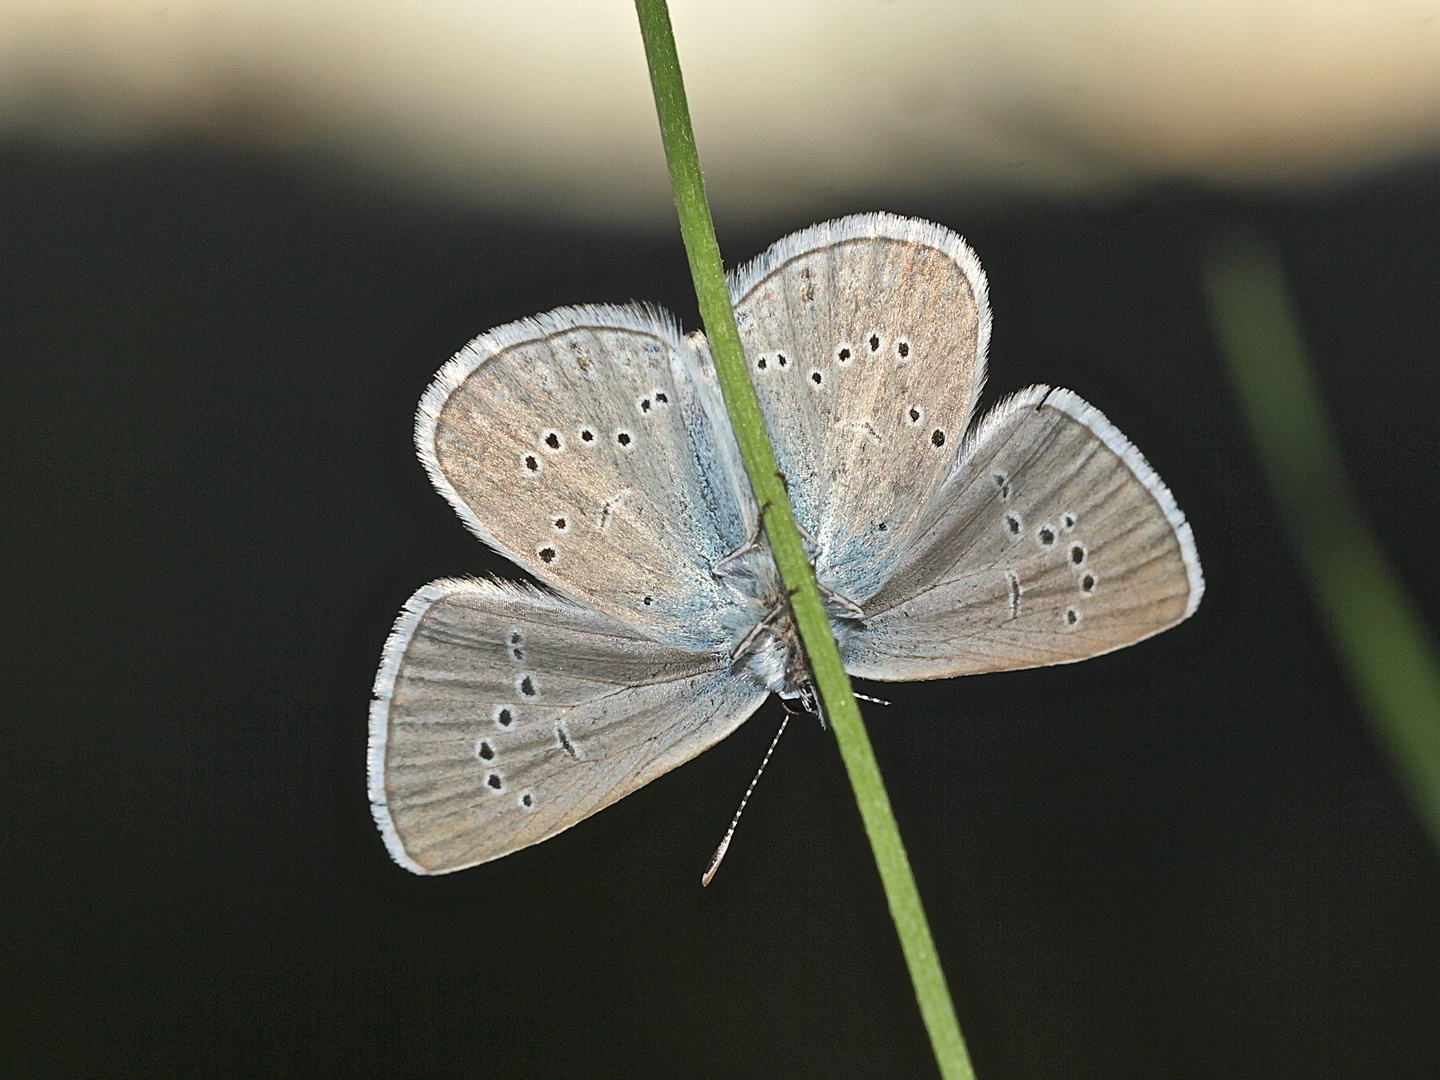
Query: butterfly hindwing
(1053, 541)
(504, 715)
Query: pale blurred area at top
(800, 106)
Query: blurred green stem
(1382, 640)
(831, 682)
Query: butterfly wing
(504, 715)
(588, 445)
(1053, 541)
(866, 340)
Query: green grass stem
(831, 682)
(1380, 636)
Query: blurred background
(237, 240)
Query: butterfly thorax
(765, 640)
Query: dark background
(1186, 859)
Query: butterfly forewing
(1052, 542)
(866, 342)
(571, 443)
(504, 715)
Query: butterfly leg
(812, 546)
(753, 635)
(725, 567)
(848, 607)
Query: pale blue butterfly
(590, 446)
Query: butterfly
(590, 445)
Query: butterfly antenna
(876, 700)
(715, 859)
